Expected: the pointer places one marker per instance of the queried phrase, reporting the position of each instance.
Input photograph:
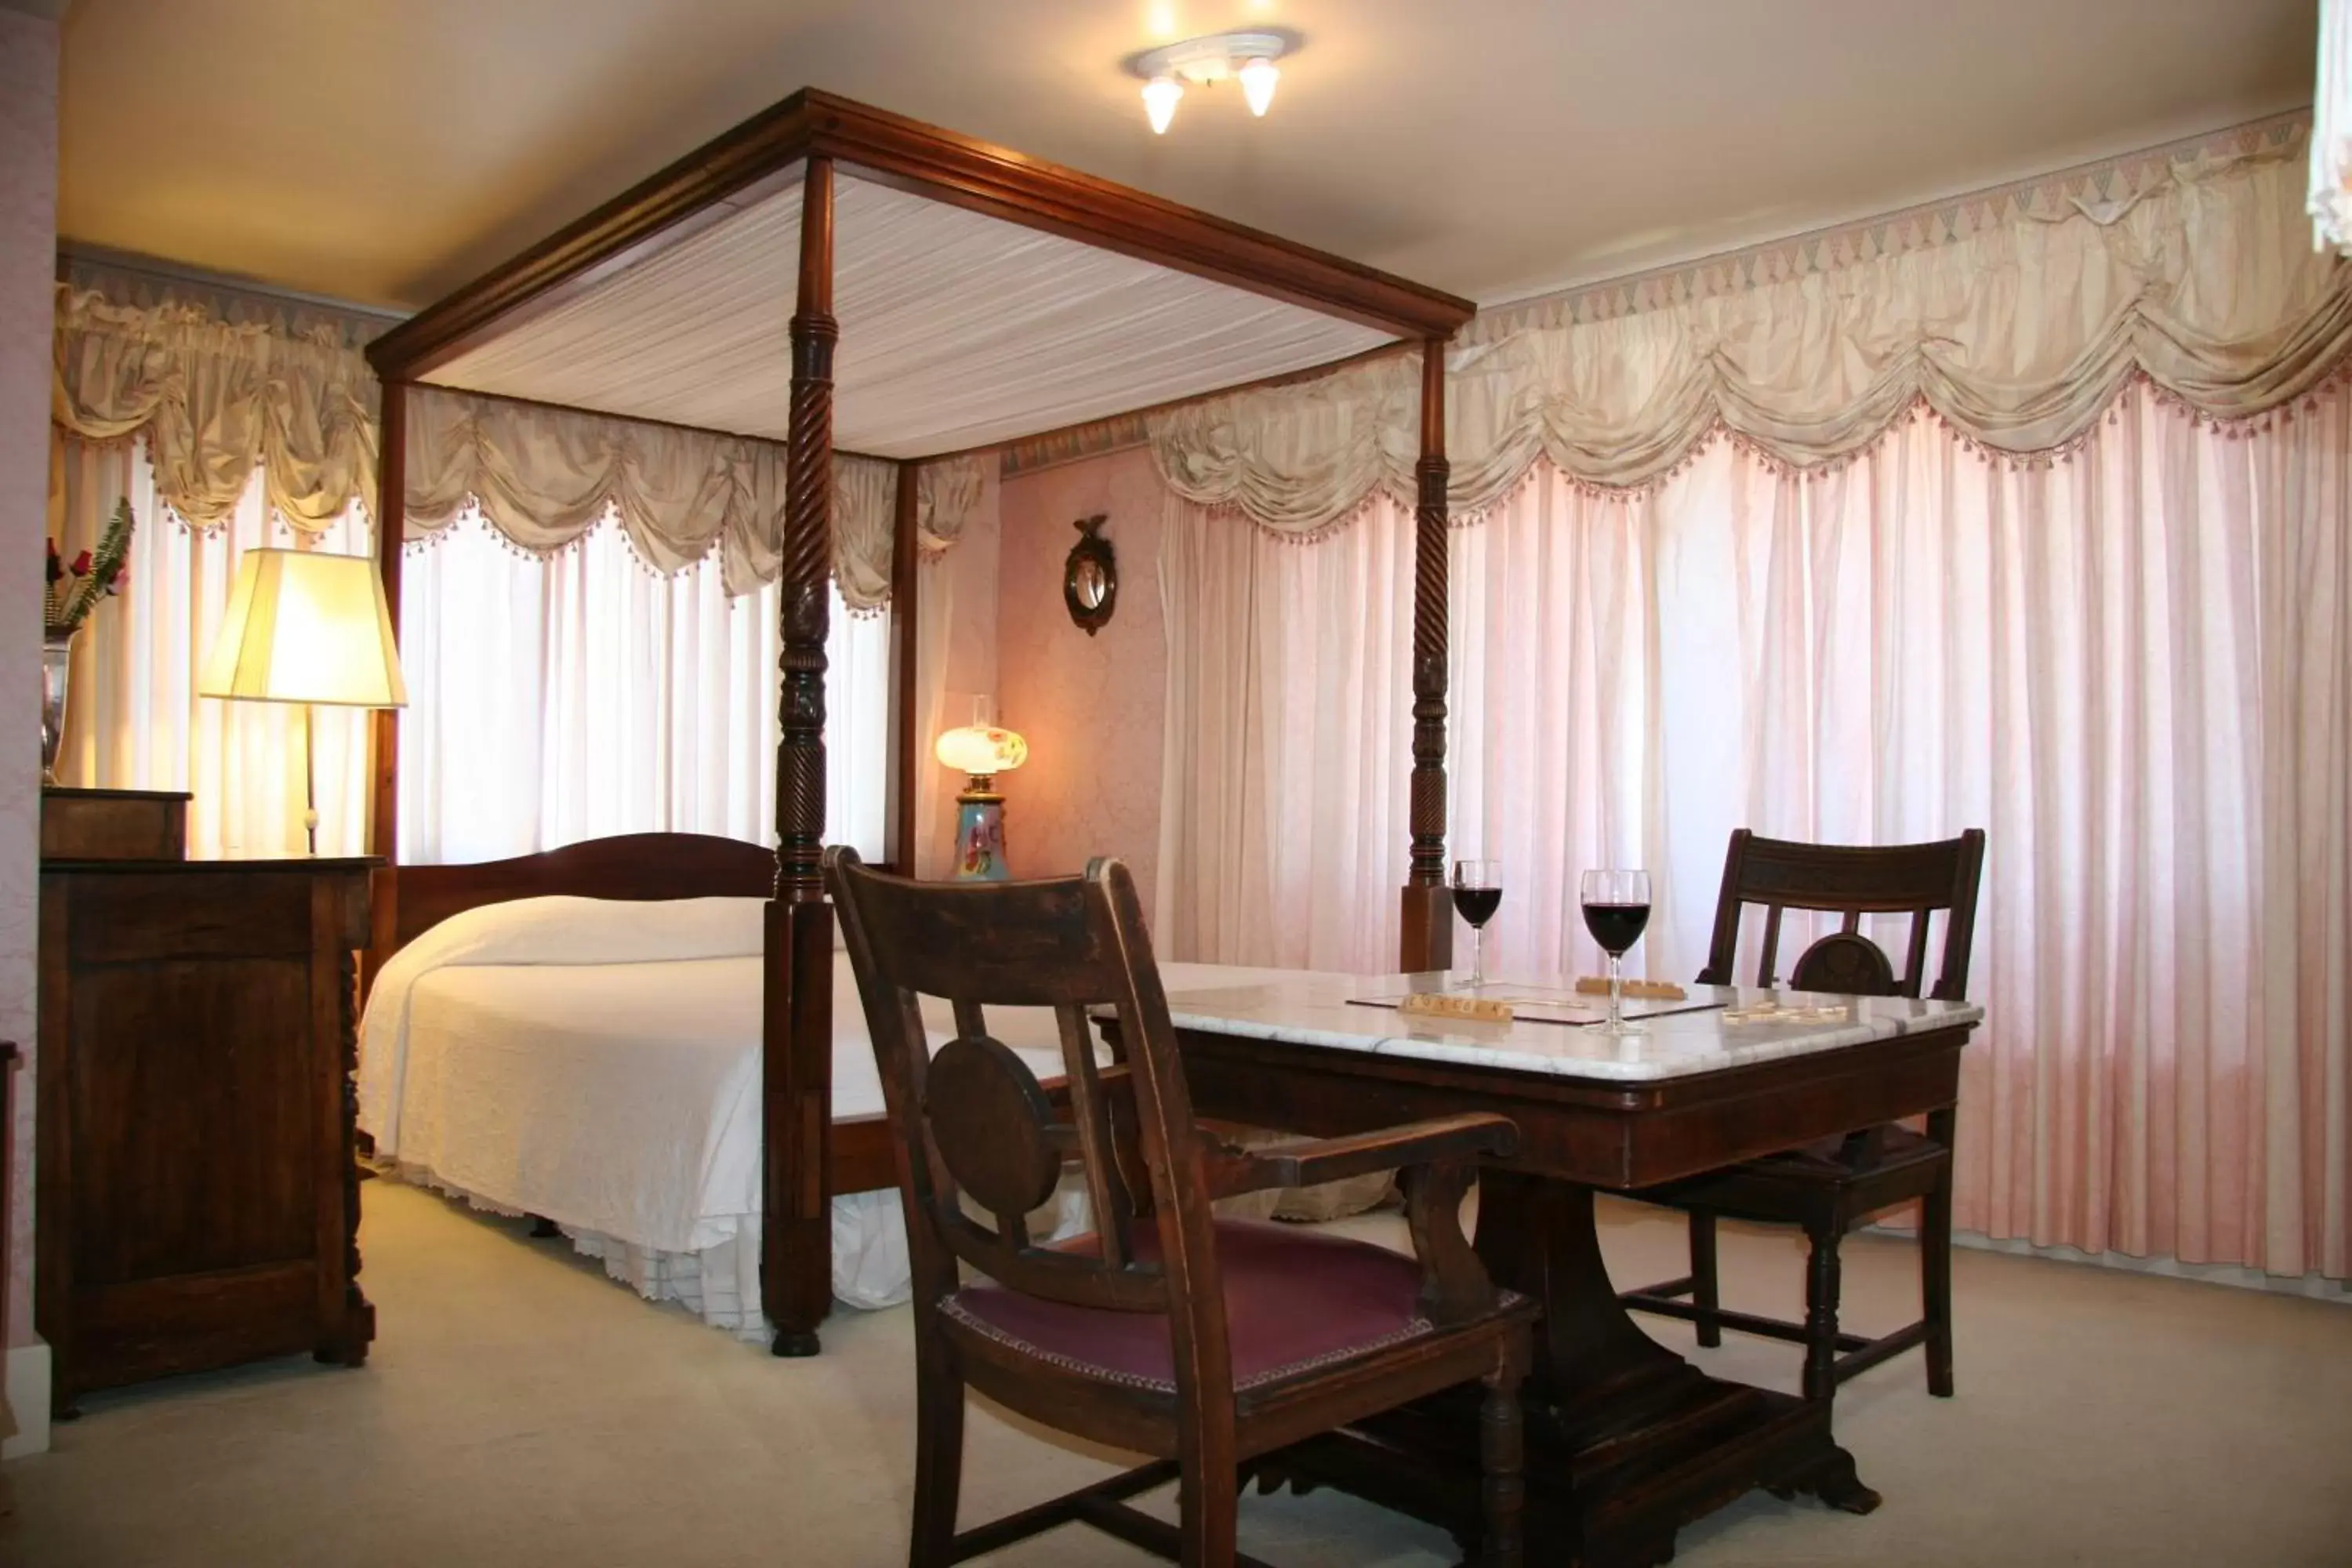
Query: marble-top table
(1627, 1440)
(1678, 1039)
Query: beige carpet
(521, 1410)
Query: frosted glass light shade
(1259, 79)
(1161, 96)
(982, 750)
(305, 626)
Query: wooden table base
(1627, 1442)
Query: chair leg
(1821, 1282)
(939, 1465)
(1208, 1507)
(1936, 1266)
(1501, 1453)
(1704, 1295)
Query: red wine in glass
(1616, 912)
(1616, 927)
(1477, 905)
(1477, 894)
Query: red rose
(57, 562)
(81, 564)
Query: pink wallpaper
(1091, 706)
(28, 242)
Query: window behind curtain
(2127, 664)
(580, 696)
(134, 721)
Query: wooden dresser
(198, 1205)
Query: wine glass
(1477, 894)
(1616, 910)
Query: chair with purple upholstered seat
(1204, 1343)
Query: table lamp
(309, 627)
(981, 751)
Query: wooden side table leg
(347, 1345)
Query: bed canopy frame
(668, 230)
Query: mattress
(517, 1057)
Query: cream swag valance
(214, 397)
(2018, 316)
(543, 477)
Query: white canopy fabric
(2017, 315)
(958, 329)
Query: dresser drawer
(113, 825)
(145, 917)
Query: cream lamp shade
(982, 750)
(306, 627)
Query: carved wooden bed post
(383, 793)
(795, 1245)
(906, 605)
(1427, 932)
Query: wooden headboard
(637, 866)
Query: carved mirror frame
(1090, 577)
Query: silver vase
(57, 668)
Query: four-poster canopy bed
(1001, 296)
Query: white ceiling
(957, 330)
(385, 151)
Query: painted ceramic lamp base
(980, 836)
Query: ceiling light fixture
(1258, 79)
(1161, 96)
(1246, 58)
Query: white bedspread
(599, 1063)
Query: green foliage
(63, 613)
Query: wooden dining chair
(1201, 1342)
(1830, 1188)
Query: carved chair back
(1919, 880)
(973, 1121)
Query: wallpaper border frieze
(1075, 444)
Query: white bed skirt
(871, 1269)
(720, 1283)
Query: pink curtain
(1287, 670)
(2130, 665)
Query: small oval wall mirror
(1090, 578)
